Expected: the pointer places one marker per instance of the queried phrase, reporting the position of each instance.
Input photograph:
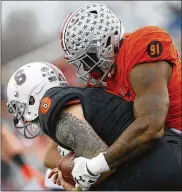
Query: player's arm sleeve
(150, 45)
(76, 133)
(52, 105)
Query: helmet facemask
(30, 129)
(24, 99)
(91, 61)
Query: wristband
(98, 165)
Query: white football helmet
(90, 38)
(25, 90)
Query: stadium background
(30, 32)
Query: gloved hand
(82, 176)
(87, 171)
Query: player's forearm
(132, 155)
(135, 140)
(78, 135)
(151, 107)
(52, 158)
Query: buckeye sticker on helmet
(20, 77)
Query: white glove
(81, 175)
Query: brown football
(65, 166)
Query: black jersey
(107, 113)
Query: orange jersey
(148, 44)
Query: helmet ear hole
(31, 100)
(108, 41)
(116, 33)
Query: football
(65, 166)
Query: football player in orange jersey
(142, 66)
(47, 104)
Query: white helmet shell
(89, 22)
(92, 24)
(33, 79)
(27, 86)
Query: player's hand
(60, 181)
(54, 175)
(82, 176)
(57, 178)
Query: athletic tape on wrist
(98, 165)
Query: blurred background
(30, 32)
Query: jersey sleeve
(52, 105)
(150, 44)
(59, 98)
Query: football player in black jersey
(87, 121)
